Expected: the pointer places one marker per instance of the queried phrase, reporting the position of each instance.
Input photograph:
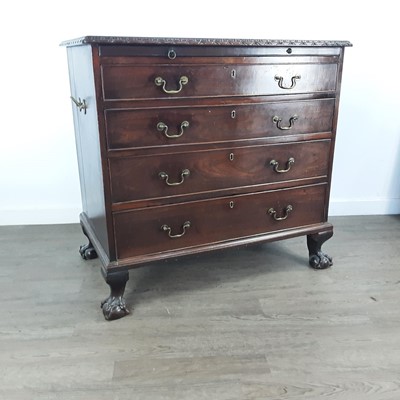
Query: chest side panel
(82, 82)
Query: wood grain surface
(250, 323)
(139, 232)
(135, 82)
(129, 128)
(137, 178)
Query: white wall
(38, 168)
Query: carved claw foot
(114, 307)
(318, 259)
(87, 251)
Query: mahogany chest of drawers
(191, 145)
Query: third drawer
(169, 175)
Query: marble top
(126, 40)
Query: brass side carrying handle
(81, 104)
(280, 81)
(275, 165)
(184, 174)
(287, 210)
(168, 229)
(162, 127)
(159, 81)
(277, 121)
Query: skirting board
(364, 207)
(40, 216)
(70, 215)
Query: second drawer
(144, 127)
(155, 176)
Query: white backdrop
(38, 167)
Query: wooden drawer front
(138, 82)
(155, 126)
(140, 232)
(145, 177)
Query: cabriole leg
(114, 306)
(318, 259)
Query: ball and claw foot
(87, 251)
(114, 308)
(320, 261)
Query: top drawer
(165, 81)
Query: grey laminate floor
(250, 323)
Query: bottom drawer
(158, 229)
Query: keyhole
(231, 157)
(233, 74)
(231, 204)
(233, 114)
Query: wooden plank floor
(250, 323)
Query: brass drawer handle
(183, 80)
(184, 174)
(81, 104)
(277, 121)
(275, 165)
(168, 229)
(280, 81)
(287, 210)
(161, 126)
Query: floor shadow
(208, 270)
